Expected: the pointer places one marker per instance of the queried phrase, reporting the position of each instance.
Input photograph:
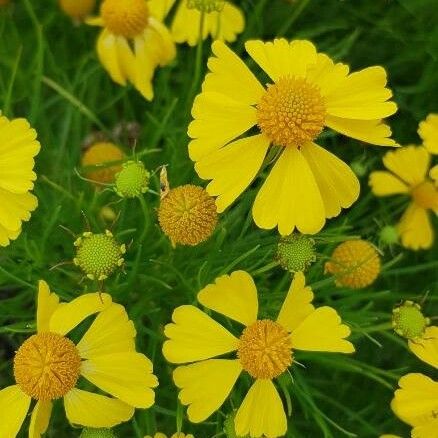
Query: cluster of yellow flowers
(240, 128)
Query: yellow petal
(428, 131)
(14, 405)
(186, 24)
(322, 330)
(160, 8)
(326, 74)
(143, 69)
(385, 183)
(290, 197)
(235, 296)
(126, 376)
(47, 304)
(297, 304)
(426, 348)
(232, 168)
(281, 58)
(95, 21)
(15, 208)
(218, 120)
(67, 316)
(230, 75)
(205, 385)
(415, 228)
(39, 421)
(262, 412)
(194, 336)
(7, 235)
(416, 400)
(427, 430)
(107, 50)
(226, 24)
(159, 42)
(94, 410)
(409, 163)
(338, 185)
(370, 131)
(111, 332)
(434, 174)
(362, 96)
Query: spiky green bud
(132, 180)
(296, 252)
(408, 320)
(389, 235)
(206, 6)
(97, 433)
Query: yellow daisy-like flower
(133, 43)
(307, 184)
(77, 9)
(408, 175)
(428, 131)
(264, 349)
(48, 366)
(224, 22)
(18, 147)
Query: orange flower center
(47, 366)
(127, 18)
(425, 195)
(265, 349)
(291, 112)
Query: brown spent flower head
(187, 215)
(77, 9)
(100, 154)
(354, 263)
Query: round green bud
(97, 433)
(206, 5)
(296, 252)
(408, 320)
(389, 235)
(359, 168)
(98, 255)
(132, 180)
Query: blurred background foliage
(49, 73)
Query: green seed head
(408, 320)
(206, 5)
(296, 252)
(389, 235)
(97, 433)
(132, 180)
(98, 255)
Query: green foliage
(49, 73)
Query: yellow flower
(175, 435)
(408, 174)
(133, 43)
(265, 349)
(428, 131)
(48, 366)
(308, 92)
(223, 23)
(416, 403)
(99, 158)
(77, 9)
(354, 263)
(18, 147)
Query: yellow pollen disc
(425, 195)
(291, 112)
(47, 366)
(354, 263)
(127, 18)
(265, 349)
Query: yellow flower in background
(265, 349)
(133, 43)
(4, 2)
(48, 366)
(428, 131)
(18, 147)
(103, 161)
(308, 91)
(77, 9)
(408, 175)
